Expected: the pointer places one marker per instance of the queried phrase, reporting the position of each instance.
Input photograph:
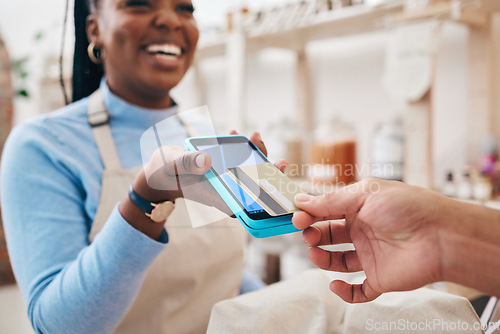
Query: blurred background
(344, 89)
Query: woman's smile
(166, 56)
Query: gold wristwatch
(157, 212)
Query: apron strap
(98, 118)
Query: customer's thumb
(334, 205)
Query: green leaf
(18, 64)
(23, 93)
(21, 61)
(39, 35)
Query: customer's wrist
(469, 237)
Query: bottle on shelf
(482, 189)
(333, 154)
(464, 187)
(449, 187)
(387, 150)
(286, 142)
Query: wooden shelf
(354, 20)
(343, 22)
(473, 14)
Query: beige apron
(198, 267)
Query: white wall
(451, 103)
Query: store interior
(401, 89)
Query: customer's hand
(394, 230)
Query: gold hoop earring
(92, 55)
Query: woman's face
(148, 46)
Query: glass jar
(387, 150)
(287, 143)
(333, 153)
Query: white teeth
(167, 49)
(164, 56)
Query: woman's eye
(189, 8)
(137, 3)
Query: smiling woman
(131, 33)
(87, 255)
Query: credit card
(268, 186)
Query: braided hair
(86, 74)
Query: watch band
(139, 201)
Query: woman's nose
(167, 18)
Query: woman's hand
(255, 138)
(394, 228)
(174, 172)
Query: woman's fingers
(327, 233)
(256, 139)
(281, 165)
(345, 262)
(354, 293)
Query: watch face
(161, 211)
